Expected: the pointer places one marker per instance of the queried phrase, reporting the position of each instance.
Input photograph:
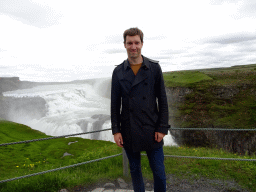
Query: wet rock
(63, 190)
(148, 185)
(83, 124)
(66, 154)
(122, 183)
(72, 142)
(109, 185)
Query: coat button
(145, 83)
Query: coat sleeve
(163, 116)
(115, 103)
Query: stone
(63, 190)
(148, 185)
(122, 183)
(98, 190)
(109, 185)
(72, 142)
(109, 190)
(66, 154)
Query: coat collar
(141, 75)
(145, 63)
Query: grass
(218, 76)
(184, 78)
(223, 97)
(23, 159)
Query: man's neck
(137, 60)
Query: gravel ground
(176, 185)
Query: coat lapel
(141, 76)
(127, 78)
(143, 72)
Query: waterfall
(71, 108)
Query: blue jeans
(156, 162)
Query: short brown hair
(133, 32)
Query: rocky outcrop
(242, 142)
(9, 84)
(13, 83)
(175, 97)
(30, 107)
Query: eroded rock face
(176, 97)
(233, 141)
(11, 107)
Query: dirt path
(174, 184)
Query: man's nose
(133, 46)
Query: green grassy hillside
(23, 159)
(219, 98)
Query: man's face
(133, 46)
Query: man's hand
(159, 136)
(118, 139)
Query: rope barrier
(212, 129)
(48, 138)
(199, 129)
(78, 164)
(48, 171)
(209, 158)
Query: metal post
(125, 164)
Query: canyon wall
(195, 107)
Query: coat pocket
(149, 118)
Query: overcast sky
(53, 40)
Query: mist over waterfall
(74, 107)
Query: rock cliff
(227, 106)
(33, 107)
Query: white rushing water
(72, 108)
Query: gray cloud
(175, 51)
(115, 50)
(220, 2)
(160, 57)
(247, 8)
(29, 12)
(114, 39)
(215, 52)
(160, 37)
(232, 38)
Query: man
(139, 111)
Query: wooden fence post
(125, 164)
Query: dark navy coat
(139, 105)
